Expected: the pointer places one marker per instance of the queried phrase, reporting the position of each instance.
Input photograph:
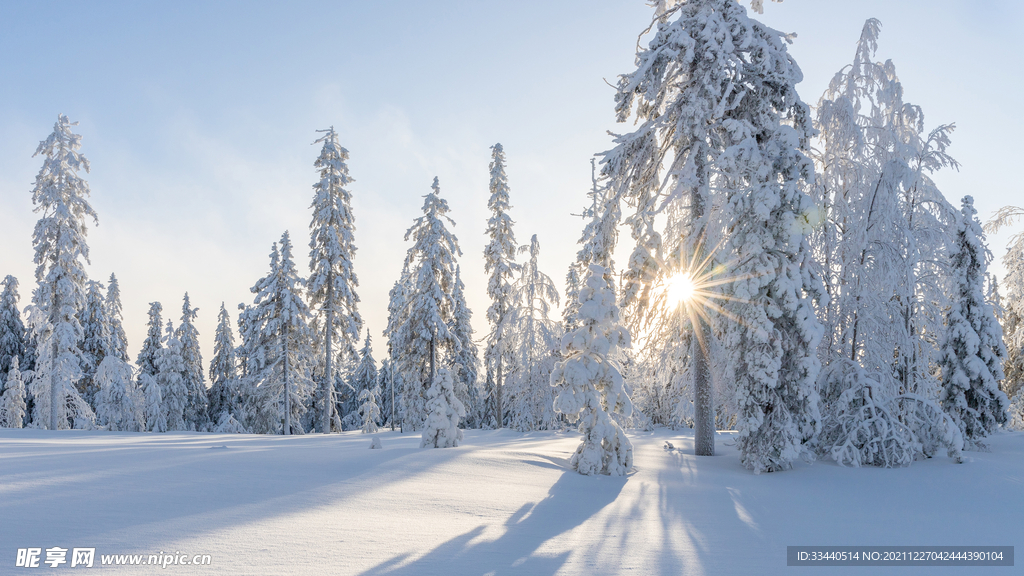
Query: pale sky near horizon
(198, 119)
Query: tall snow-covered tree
(118, 339)
(424, 332)
(332, 282)
(170, 375)
(146, 360)
(12, 401)
(278, 342)
(882, 238)
(972, 350)
(714, 95)
(12, 330)
(499, 262)
(196, 405)
(534, 336)
(61, 252)
(589, 385)
(388, 394)
(223, 392)
(465, 361)
(120, 404)
(441, 429)
(97, 341)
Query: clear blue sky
(198, 118)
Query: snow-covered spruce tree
(223, 392)
(364, 377)
(424, 331)
(12, 330)
(441, 429)
(534, 337)
(588, 382)
(196, 405)
(397, 334)
(120, 405)
(170, 375)
(332, 281)
(499, 262)
(714, 93)
(12, 401)
(972, 350)
(774, 340)
(465, 361)
(146, 360)
(385, 381)
(96, 340)
(118, 339)
(370, 408)
(156, 414)
(597, 241)
(278, 348)
(59, 195)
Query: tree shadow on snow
(570, 502)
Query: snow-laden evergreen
(277, 339)
(972, 351)
(146, 359)
(223, 392)
(465, 361)
(397, 334)
(597, 241)
(332, 281)
(59, 196)
(369, 408)
(500, 264)
(535, 338)
(444, 409)
(12, 401)
(422, 332)
(228, 425)
(13, 335)
(364, 377)
(120, 404)
(388, 394)
(589, 385)
(197, 404)
(115, 317)
(720, 150)
(156, 414)
(170, 375)
(97, 340)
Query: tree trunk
(703, 398)
(54, 383)
(703, 393)
(328, 387)
(287, 392)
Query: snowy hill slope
(503, 503)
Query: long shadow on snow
(570, 502)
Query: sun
(680, 289)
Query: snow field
(503, 503)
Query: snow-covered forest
(787, 268)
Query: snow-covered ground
(503, 503)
